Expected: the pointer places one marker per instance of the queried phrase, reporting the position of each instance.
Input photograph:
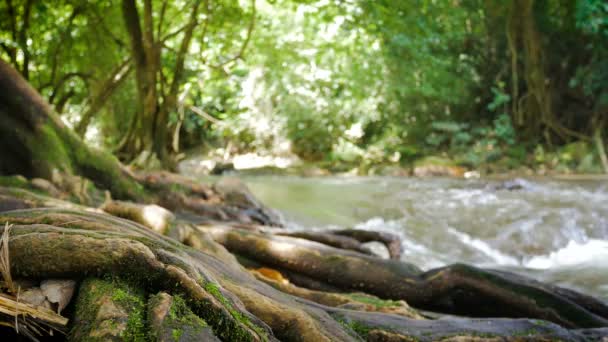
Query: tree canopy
(352, 82)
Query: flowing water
(554, 231)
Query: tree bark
(36, 143)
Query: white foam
(483, 247)
(575, 253)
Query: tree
(157, 83)
(58, 239)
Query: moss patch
(106, 308)
(214, 290)
(14, 182)
(371, 300)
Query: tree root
(457, 289)
(74, 244)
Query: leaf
(58, 291)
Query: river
(555, 231)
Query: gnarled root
(73, 243)
(459, 289)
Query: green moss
(181, 313)
(371, 300)
(124, 295)
(131, 300)
(50, 150)
(14, 182)
(358, 328)
(176, 333)
(213, 289)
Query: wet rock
(236, 193)
(222, 168)
(510, 185)
(313, 171)
(171, 320)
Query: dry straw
(26, 319)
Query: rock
(222, 168)
(510, 185)
(313, 171)
(236, 193)
(171, 320)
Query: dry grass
(25, 319)
(5, 262)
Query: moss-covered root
(351, 301)
(108, 310)
(391, 328)
(35, 141)
(458, 289)
(171, 320)
(101, 244)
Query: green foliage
(351, 82)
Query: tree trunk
(141, 137)
(36, 143)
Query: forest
(487, 85)
(108, 232)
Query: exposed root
(72, 243)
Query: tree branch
(60, 46)
(161, 18)
(204, 114)
(63, 100)
(241, 52)
(107, 88)
(173, 34)
(22, 39)
(131, 18)
(84, 76)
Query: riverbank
(215, 266)
(253, 164)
